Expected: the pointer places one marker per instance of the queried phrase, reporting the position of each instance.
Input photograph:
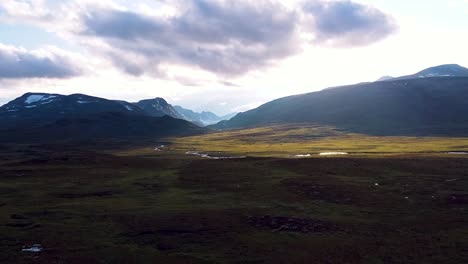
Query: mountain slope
(228, 116)
(423, 106)
(102, 126)
(44, 117)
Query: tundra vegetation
(391, 200)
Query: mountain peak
(158, 107)
(157, 100)
(31, 100)
(444, 70)
(385, 78)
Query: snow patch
(457, 153)
(33, 98)
(83, 102)
(158, 106)
(129, 108)
(303, 155)
(31, 106)
(36, 248)
(36, 98)
(46, 102)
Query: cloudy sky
(220, 55)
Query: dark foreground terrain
(85, 207)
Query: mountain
(203, 118)
(447, 70)
(421, 106)
(385, 78)
(38, 117)
(39, 108)
(158, 107)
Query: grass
(138, 205)
(291, 140)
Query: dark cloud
(229, 38)
(122, 25)
(223, 37)
(345, 23)
(20, 64)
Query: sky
(219, 55)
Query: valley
(367, 173)
(288, 141)
(95, 207)
(391, 200)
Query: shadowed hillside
(425, 106)
(39, 117)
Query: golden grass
(290, 140)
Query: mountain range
(39, 117)
(433, 102)
(430, 103)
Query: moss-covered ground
(137, 205)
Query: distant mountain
(41, 117)
(158, 107)
(421, 106)
(447, 70)
(385, 78)
(203, 118)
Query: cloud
(32, 11)
(227, 38)
(18, 63)
(346, 24)
(215, 39)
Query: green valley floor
(150, 206)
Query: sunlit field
(301, 140)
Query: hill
(422, 106)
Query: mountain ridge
(444, 70)
(43, 116)
(422, 106)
